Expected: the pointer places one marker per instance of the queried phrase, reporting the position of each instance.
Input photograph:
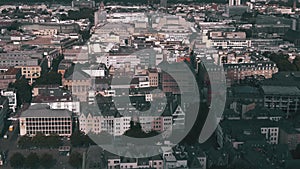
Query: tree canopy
(17, 160)
(32, 161)
(47, 161)
(75, 159)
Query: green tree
(56, 62)
(47, 161)
(75, 159)
(24, 142)
(24, 91)
(32, 161)
(17, 160)
(136, 131)
(79, 139)
(297, 62)
(14, 26)
(4, 11)
(282, 61)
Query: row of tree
(283, 61)
(40, 141)
(32, 161)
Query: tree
(56, 61)
(51, 77)
(17, 160)
(32, 161)
(24, 91)
(75, 159)
(14, 26)
(282, 62)
(297, 62)
(40, 141)
(136, 131)
(4, 11)
(47, 161)
(24, 142)
(79, 139)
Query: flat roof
(281, 90)
(40, 110)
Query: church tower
(100, 15)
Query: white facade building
(271, 133)
(41, 119)
(12, 98)
(96, 123)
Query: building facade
(41, 119)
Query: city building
(31, 73)
(66, 102)
(11, 95)
(237, 132)
(45, 32)
(9, 76)
(19, 59)
(285, 98)
(41, 119)
(237, 72)
(79, 84)
(289, 136)
(234, 2)
(3, 111)
(100, 15)
(163, 3)
(225, 40)
(83, 4)
(91, 120)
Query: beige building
(153, 77)
(45, 32)
(31, 73)
(78, 83)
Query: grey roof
(40, 110)
(281, 90)
(78, 75)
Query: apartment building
(239, 71)
(45, 32)
(76, 55)
(19, 59)
(156, 123)
(169, 83)
(152, 75)
(228, 40)
(9, 76)
(41, 119)
(91, 120)
(96, 123)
